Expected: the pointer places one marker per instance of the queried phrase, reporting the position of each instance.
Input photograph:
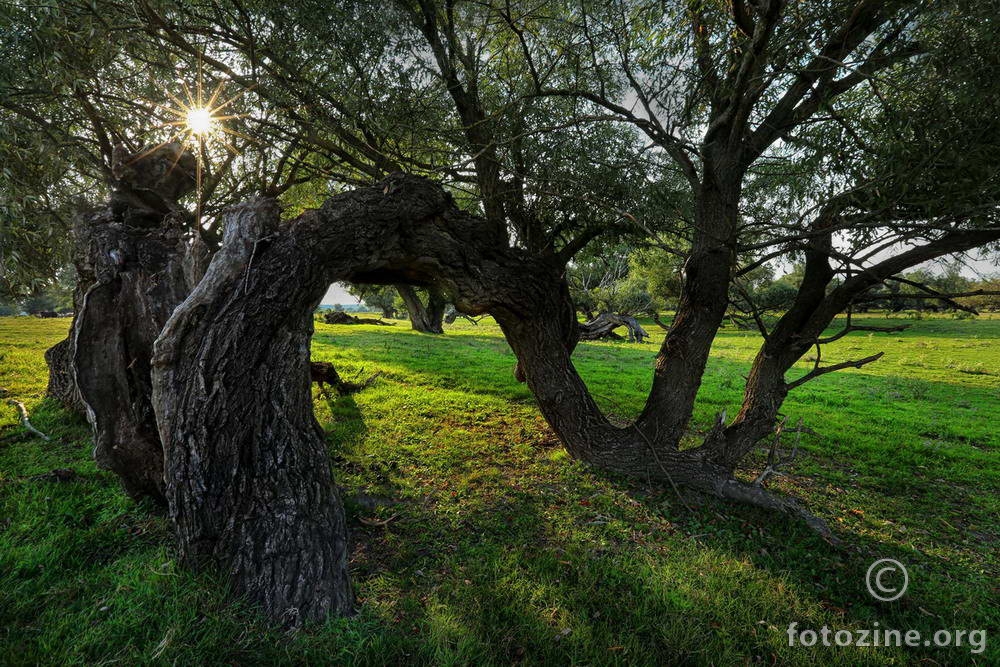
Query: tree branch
(816, 372)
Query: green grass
(499, 548)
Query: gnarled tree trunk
(425, 319)
(604, 325)
(136, 263)
(249, 484)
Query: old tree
(474, 149)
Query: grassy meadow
(477, 540)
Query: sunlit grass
(500, 548)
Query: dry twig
(23, 413)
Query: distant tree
(424, 307)
(988, 300)
(56, 296)
(39, 301)
(624, 279)
(380, 297)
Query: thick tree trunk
(568, 407)
(248, 478)
(139, 264)
(426, 319)
(249, 484)
(700, 312)
(765, 389)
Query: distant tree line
(55, 296)
(646, 281)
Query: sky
(337, 294)
(975, 267)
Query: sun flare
(200, 121)
(200, 118)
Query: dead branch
(324, 373)
(603, 326)
(775, 462)
(346, 388)
(817, 371)
(750, 494)
(850, 327)
(377, 523)
(23, 413)
(339, 317)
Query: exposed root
(23, 413)
(749, 494)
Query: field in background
(476, 539)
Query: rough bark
(62, 384)
(701, 309)
(249, 485)
(136, 258)
(248, 480)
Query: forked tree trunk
(248, 478)
(426, 319)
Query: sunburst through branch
(199, 120)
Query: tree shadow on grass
(528, 567)
(530, 574)
(504, 607)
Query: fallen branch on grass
(604, 325)
(25, 422)
(337, 317)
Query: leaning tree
(829, 132)
(817, 132)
